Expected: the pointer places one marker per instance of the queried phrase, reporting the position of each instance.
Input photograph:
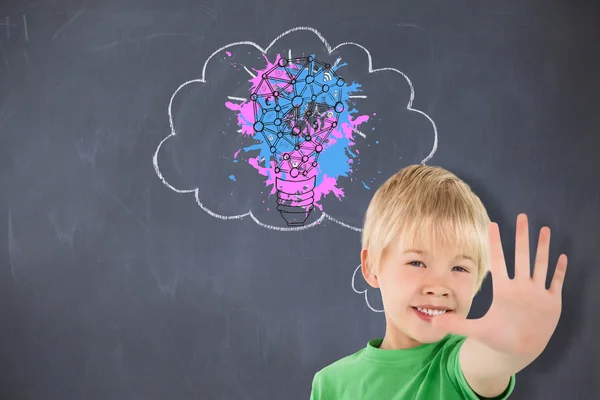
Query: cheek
(396, 284)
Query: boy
(428, 244)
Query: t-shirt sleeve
(458, 379)
(315, 393)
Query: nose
(438, 292)
(436, 288)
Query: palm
(523, 314)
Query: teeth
(431, 312)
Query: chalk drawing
(365, 292)
(251, 74)
(237, 98)
(297, 118)
(306, 108)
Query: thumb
(452, 323)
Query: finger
(522, 260)
(559, 275)
(497, 261)
(540, 269)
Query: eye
(413, 262)
(462, 268)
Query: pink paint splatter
(344, 132)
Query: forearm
(486, 370)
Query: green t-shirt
(430, 371)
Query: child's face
(408, 280)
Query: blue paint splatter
(232, 177)
(333, 161)
(365, 185)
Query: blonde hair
(425, 206)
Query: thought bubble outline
(366, 291)
(264, 51)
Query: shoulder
(332, 375)
(339, 367)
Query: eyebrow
(424, 253)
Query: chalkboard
(162, 239)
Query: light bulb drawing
(298, 112)
(297, 104)
(242, 166)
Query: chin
(430, 337)
(425, 334)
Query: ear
(371, 279)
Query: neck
(395, 339)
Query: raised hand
(523, 314)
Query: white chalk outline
(247, 70)
(366, 291)
(236, 98)
(264, 51)
(359, 132)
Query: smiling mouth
(430, 313)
